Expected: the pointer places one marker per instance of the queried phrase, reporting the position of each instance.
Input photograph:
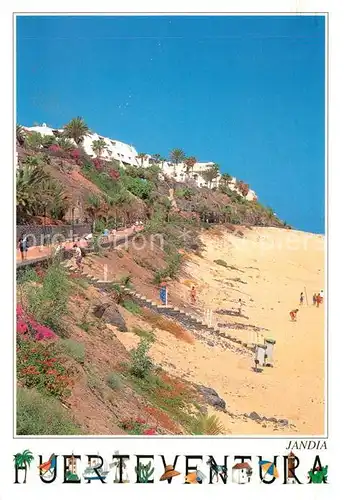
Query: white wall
(126, 153)
(114, 149)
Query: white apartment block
(127, 155)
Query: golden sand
(270, 268)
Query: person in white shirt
(78, 256)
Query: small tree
(141, 364)
(23, 460)
(211, 174)
(20, 135)
(243, 188)
(177, 156)
(76, 129)
(34, 140)
(226, 179)
(157, 158)
(98, 146)
(65, 143)
(189, 164)
(141, 156)
(48, 140)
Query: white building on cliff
(127, 155)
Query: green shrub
(74, 349)
(41, 415)
(114, 189)
(141, 188)
(27, 275)
(174, 265)
(34, 140)
(99, 226)
(159, 276)
(207, 426)
(48, 303)
(221, 262)
(40, 365)
(94, 382)
(81, 282)
(144, 334)
(172, 270)
(126, 280)
(130, 306)
(186, 193)
(141, 364)
(114, 381)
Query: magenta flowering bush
(28, 328)
(54, 148)
(114, 174)
(75, 154)
(150, 432)
(97, 164)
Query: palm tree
(23, 460)
(98, 146)
(226, 179)
(29, 179)
(207, 425)
(20, 135)
(157, 158)
(142, 156)
(211, 174)
(53, 199)
(177, 156)
(76, 129)
(189, 164)
(97, 207)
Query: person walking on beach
(193, 295)
(314, 299)
(239, 307)
(318, 299)
(321, 294)
(301, 299)
(293, 314)
(78, 256)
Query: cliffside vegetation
(54, 171)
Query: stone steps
(187, 320)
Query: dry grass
(161, 323)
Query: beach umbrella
(268, 468)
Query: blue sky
(245, 92)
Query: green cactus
(318, 476)
(144, 472)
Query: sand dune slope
(270, 267)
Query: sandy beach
(270, 268)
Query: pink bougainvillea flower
(44, 333)
(21, 327)
(149, 432)
(114, 174)
(75, 153)
(54, 148)
(19, 310)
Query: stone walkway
(45, 251)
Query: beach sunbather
(293, 314)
